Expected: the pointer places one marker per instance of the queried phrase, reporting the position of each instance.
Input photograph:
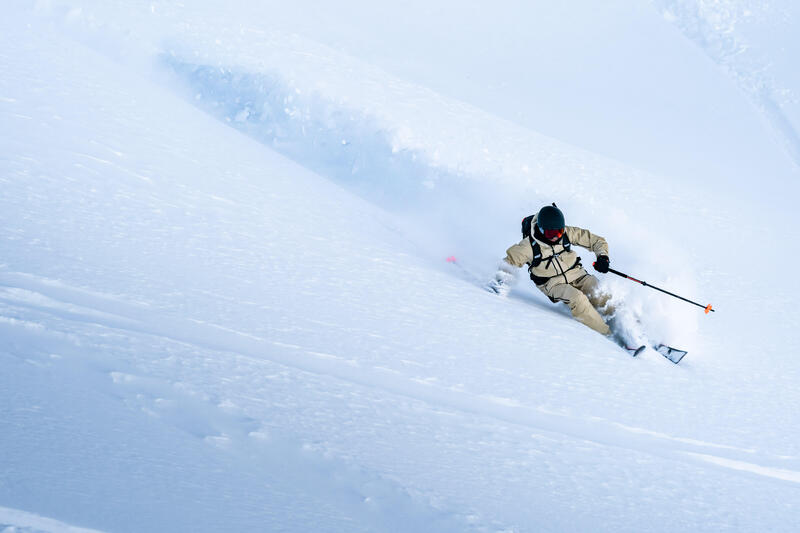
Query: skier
(555, 268)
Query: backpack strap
(527, 232)
(565, 243)
(537, 254)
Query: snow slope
(224, 303)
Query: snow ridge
(712, 26)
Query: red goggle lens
(553, 233)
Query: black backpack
(526, 226)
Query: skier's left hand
(602, 264)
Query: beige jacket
(557, 265)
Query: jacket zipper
(558, 263)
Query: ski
(635, 351)
(673, 354)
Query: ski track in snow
(16, 521)
(88, 319)
(74, 305)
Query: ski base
(673, 354)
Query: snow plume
(344, 143)
(350, 146)
(715, 26)
(452, 207)
(643, 312)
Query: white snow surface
(225, 303)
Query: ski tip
(708, 308)
(673, 354)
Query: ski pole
(706, 307)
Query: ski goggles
(552, 234)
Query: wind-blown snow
(225, 305)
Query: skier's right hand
(503, 280)
(602, 264)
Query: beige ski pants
(583, 298)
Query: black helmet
(550, 217)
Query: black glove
(602, 264)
